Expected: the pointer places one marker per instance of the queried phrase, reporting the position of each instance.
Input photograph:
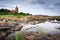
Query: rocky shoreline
(16, 24)
(37, 36)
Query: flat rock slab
(4, 28)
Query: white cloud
(27, 6)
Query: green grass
(19, 36)
(5, 16)
(20, 16)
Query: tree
(4, 11)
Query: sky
(35, 7)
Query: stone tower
(16, 9)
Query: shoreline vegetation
(31, 17)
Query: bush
(19, 36)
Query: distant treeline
(7, 12)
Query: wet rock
(10, 38)
(37, 36)
(18, 28)
(58, 28)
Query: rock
(10, 38)
(18, 28)
(58, 28)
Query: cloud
(57, 4)
(39, 1)
(35, 7)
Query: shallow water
(46, 27)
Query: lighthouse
(16, 9)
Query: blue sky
(35, 7)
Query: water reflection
(46, 27)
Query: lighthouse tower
(16, 9)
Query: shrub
(19, 36)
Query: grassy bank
(20, 16)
